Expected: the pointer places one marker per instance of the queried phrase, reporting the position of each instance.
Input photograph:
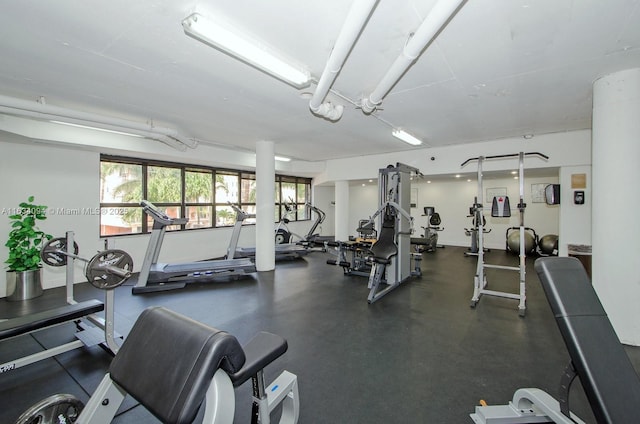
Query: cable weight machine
(480, 278)
(391, 254)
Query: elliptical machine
(285, 236)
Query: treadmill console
(160, 217)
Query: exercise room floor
(418, 355)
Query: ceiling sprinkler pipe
(329, 111)
(41, 110)
(437, 19)
(351, 29)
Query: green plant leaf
(26, 239)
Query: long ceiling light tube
(354, 24)
(406, 137)
(31, 109)
(224, 37)
(435, 21)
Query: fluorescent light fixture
(244, 47)
(283, 159)
(96, 128)
(406, 137)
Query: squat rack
(480, 278)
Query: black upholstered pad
(606, 373)
(263, 349)
(168, 360)
(385, 248)
(21, 325)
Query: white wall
(575, 220)
(323, 198)
(452, 200)
(66, 175)
(564, 149)
(570, 151)
(61, 177)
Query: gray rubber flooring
(418, 355)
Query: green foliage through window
(201, 194)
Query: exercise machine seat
(263, 349)
(606, 373)
(385, 247)
(168, 361)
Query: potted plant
(24, 275)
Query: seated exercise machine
(351, 255)
(284, 251)
(478, 224)
(366, 231)
(597, 357)
(391, 254)
(429, 241)
(156, 276)
(205, 365)
(500, 209)
(106, 270)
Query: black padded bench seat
(606, 373)
(385, 248)
(168, 361)
(263, 349)
(25, 324)
(420, 241)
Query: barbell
(106, 270)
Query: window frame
(244, 200)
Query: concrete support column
(265, 206)
(342, 210)
(615, 174)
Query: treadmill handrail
(159, 217)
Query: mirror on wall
(552, 194)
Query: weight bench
(40, 320)
(597, 356)
(171, 364)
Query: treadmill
(156, 276)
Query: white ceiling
(500, 68)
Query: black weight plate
(53, 253)
(56, 409)
(99, 276)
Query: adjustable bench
(40, 320)
(171, 364)
(597, 356)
